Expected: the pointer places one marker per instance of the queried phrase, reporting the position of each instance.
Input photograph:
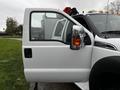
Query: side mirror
(77, 40)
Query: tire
(104, 81)
(105, 74)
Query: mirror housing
(77, 40)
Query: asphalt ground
(58, 86)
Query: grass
(8, 36)
(11, 66)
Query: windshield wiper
(110, 34)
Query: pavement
(59, 86)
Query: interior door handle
(28, 53)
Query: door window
(48, 26)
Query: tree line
(111, 8)
(12, 27)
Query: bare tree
(115, 7)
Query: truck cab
(60, 48)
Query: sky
(16, 8)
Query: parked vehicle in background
(61, 48)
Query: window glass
(104, 22)
(59, 27)
(36, 20)
(51, 15)
(48, 26)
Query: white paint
(56, 75)
(99, 53)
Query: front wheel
(104, 81)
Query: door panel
(58, 64)
(59, 57)
(52, 59)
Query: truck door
(47, 55)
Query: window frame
(30, 18)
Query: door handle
(28, 53)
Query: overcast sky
(15, 8)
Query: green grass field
(11, 66)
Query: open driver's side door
(50, 59)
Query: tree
(92, 11)
(114, 7)
(11, 26)
(19, 30)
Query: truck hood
(112, 41)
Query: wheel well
(107, 64)
(105, 73)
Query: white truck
(61, 48)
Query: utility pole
(106, 27)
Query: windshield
(106, 23)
